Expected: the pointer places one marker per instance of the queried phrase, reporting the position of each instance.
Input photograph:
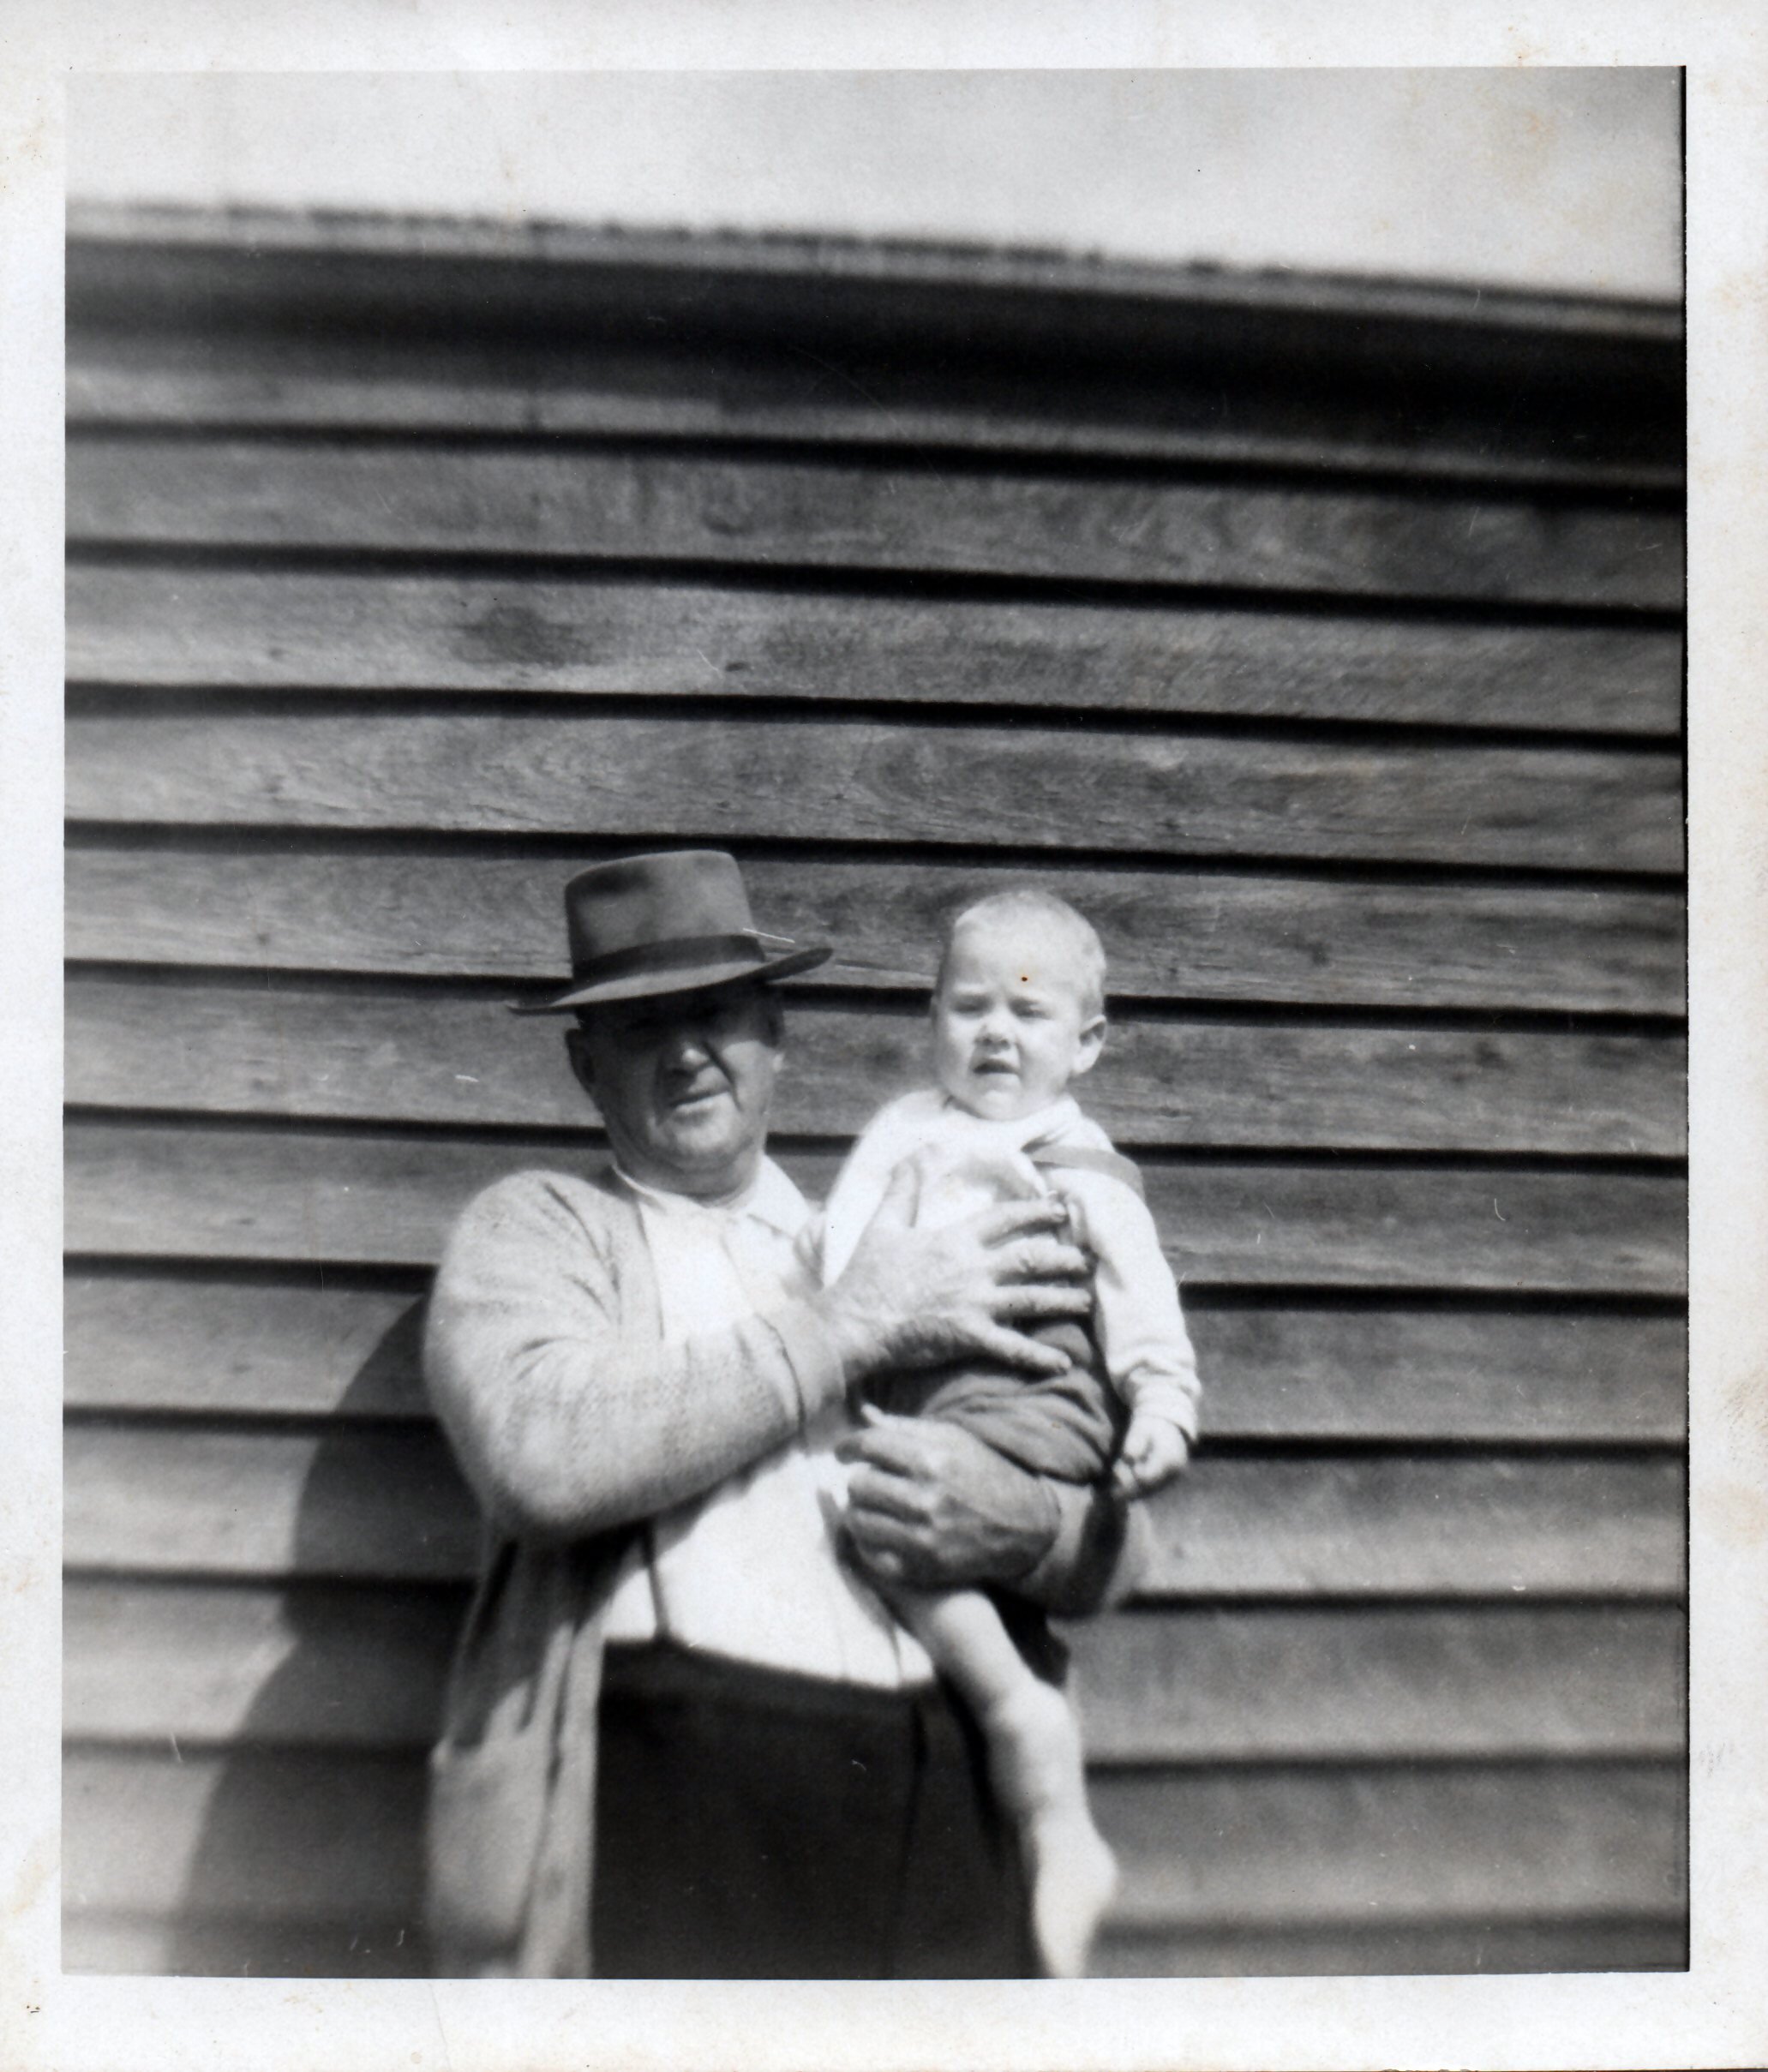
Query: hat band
(681, 953)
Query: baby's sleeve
(889, 1138)
(1141, 1329)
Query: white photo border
(1716, 2014)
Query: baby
(1018, 1016)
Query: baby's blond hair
(1085, 953)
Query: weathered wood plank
(290, 1839)
(193, 1945)
(1608, 1942)
(1166, 410)
(145, 1943)
(1555, 374)
(1302, 1373)
(1216, 935)
(352, 1502)
(300, 631)
(1371, 1847)
(1229, 1684)
(959, 518)
(303, 1840)
(1021, 786)
(311, 1050)
(195, 1501)
(139, 1341)
(303, 1664)
(1454, 1527)
(309, 1664)
(166, 1191)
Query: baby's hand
(1154, 1450)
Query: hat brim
(693, 978)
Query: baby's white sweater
(963, 1162)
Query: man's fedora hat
(672, 923)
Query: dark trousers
(755, 1824)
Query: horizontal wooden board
(350, 1502)
(200, 1947)
(1171, 408)
(1557, 376)
(1389, 1846)
(1449, 1527)
(311, 1664)
(1295, 1372)
(139, 1341)
(578, 772)
(171, 1190)
(1326, 1684)
(298, 630)
(1608, 1942)
(310, 1050)
(957, 517)
(298, 1840)
(1256, 937)
(304, 1665)
(308, 1839)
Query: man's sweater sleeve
(567, 1414)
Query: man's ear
(576, 1050)
(1091, 1044)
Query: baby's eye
(1029, 1011)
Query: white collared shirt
(752, 1570)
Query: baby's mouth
(1000, 1066)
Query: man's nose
(687, 1048)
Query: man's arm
(566, 1415)
(567, 1420)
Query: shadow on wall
(308, 1863)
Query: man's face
(684, 1083)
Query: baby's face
(1010, 1028)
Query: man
(684, 1736)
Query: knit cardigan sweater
(574, 1423)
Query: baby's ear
(1091, 1044)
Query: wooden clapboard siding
(179, 1943)
(1340, 1844)
(153, 1943)
(953, 518)
(1164, 411)
(319, 1665)
(1286, 1369)
(308, 1050)
(577, 771)
(299, 630)
(1256, 937)
(568, 325)
(149, 1499)
(1318, 639)
(258, 1193)
(1611, 1942)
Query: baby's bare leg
(1035, 1764)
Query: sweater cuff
(815, 1365)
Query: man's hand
(929, 1504)
(918, 1298)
